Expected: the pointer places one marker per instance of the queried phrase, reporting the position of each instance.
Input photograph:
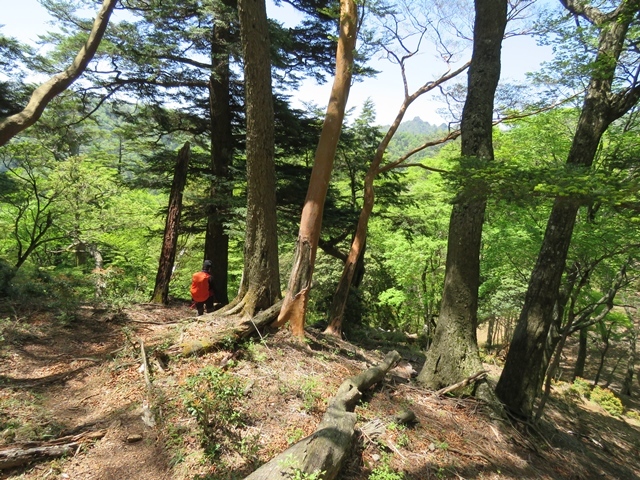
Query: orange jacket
(200, 289)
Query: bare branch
(11, 126)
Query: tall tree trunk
(581, 358)
(98, 264)
(294, 307)
(356, 252)
(521, 378)
(260, 285)
(603, 355)
(490, 327)
(453, 356)
(171, 228)
(41, 96)
(633, 353)
(216, 246)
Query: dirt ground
(84, 374)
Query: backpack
(200, 286)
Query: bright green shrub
(581, 386)
(607, 400)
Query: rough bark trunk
(260, 285)
(627, 383)
(581, 358)
(356, 252)
(453, 355)
(295, 303)
(41, 96)
(216, 247)
(171, 228)
(328, 447)
(521, 379)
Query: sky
(26, 19)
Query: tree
(30, 199)
(522, 377)
(356, 251)
(453, 355)
(260, 285)
(171, 229)
(295, 302)
(42, 95)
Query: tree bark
(260, 285)
(295, 302)
(453, 355)
(41, 96)
(171, 228)
(326, 450)
(581, 358)
(627, 383)
(522, 376)
(216, 247)
(356, 252)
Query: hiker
(202, 291)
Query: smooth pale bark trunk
(260, 285)
(41, 96)
(171, 228)
(216, 247)
(522, 377)
(453, 355)
(294, 307)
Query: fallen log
(229, 330)
(324, 452)
(22, 454)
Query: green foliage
(385, 472)
(581, 387)
(607, 400)
(213, 397)
(295, 436)
(309, 394)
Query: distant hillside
(412, 134)
(418, 126)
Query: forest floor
(221, 415)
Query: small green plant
(607, 400)
(255, 351)
(403, 440)
(212, 396)
(441, 445)
(385, 472)
(295, 435)
(309, 395)
(633, 414)
(581, 387)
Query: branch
(456, 133)
(472, 379)
(40, 98)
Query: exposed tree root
(228, 329)
(327, 448)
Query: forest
(494, 257)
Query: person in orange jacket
(202, 291)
